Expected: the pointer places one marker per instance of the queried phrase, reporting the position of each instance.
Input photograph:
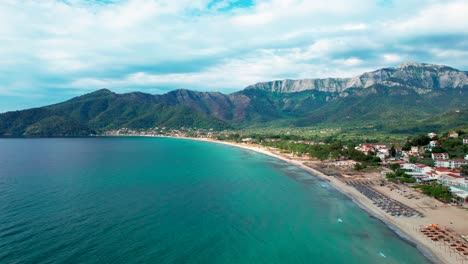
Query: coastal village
(394, 190)
(443, 168)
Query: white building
(457, 163)
(451, 179)
(433, 144)
(440, 156)
(442, 163)
(421, 168)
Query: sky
(53, 50)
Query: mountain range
(410, 97)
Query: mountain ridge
(422, 75)
(410, 92)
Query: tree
(394, 166)
(413, 159)
(464, 170)
(436, 190)
(393, 151)
(359, 166)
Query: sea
(165, 200)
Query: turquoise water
(159, 200)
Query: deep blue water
(159, 200)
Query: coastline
(399, 226)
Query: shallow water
(161, 200)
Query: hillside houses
(445, 152)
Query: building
(453, 134)
(379, 146)
(451, 179)
(345, 163)
(414, 150)
(465, 141)
(442, 163)
(453, 164)
(457, 163)
(440, 156)
(381, 155)
(365, 148)
(420, 168)
(433, 144)
(406, 166)
(432, 135)
(462, 195)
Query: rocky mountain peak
(418, 76)
(419, 65)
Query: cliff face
(419, 76)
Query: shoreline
(406, 228)
(401, 231)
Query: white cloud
(351, 62)
(392, 58)
(126, 44)
(444, 17)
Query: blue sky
(53, 50)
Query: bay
(162, 200)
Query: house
(406, 166)
(345, 163)
(414, 150)
(432, 135)
(457, 163)
(453, 134)
(465, 141)
(433, 144)
(421, 168)
(442, 163)
(466, 157)
(439, 171)
(440, 156)
(379, 146)
(365, 148)
(451, 179)
(381, 155)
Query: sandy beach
(434, 211)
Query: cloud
(392, 58)
(58, 49)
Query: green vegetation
(399, 175)
(323, 151)
(376, 113)
(436, 190)
(419, 140)
(464, 170)
(453, 146)
(101, 111)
